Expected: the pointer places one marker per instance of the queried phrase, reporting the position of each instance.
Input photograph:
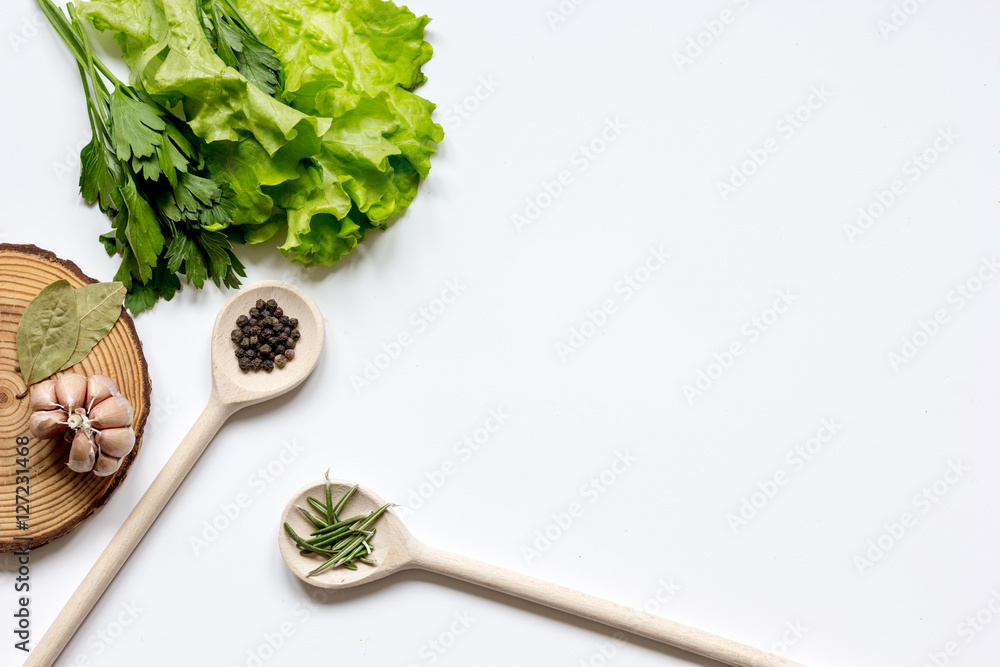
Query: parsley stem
(78, 44)
(61, 26)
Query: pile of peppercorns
(266, 338)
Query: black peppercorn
(265, 337)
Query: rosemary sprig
(342, 543)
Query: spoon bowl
(394, 549)
(242, 388)
(391, 544)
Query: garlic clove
(111, 413)
(71, 391)
(47, 423)
(43, 396)
(106, 465)
(82, 454)
(100, 387)
(116, 442)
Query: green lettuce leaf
(343, 149)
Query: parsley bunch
(143, 169)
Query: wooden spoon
(395, 549)
(232, 389)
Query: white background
(886, 96)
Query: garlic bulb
(91, 413)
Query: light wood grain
(232, 389)
(395, 549)
(60, 499)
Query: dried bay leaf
(47, 332)
(98, 307)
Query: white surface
(665, 518)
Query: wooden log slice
(58, 499)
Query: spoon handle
(128, 536)
(593, 608)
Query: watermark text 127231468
(22, 513)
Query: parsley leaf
(136, 127)
(235, 42)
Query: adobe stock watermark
(605, 651)
(911, 171)
(899, 16)
(622, 291)
(27, 31)
(230, 511)
(103, 639)
(580, 161)
(930, 328)
(792, 634)
(70, 165)
(271, 642)
(463, 450)
(744, 169)
(434, 648)
(750, 333)
(163, 408)
(561, 12)
(418, 322)
(591, 491)
(967, 631)
(711, 30)
(922, 503)
(462, 111)
(796, 460)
